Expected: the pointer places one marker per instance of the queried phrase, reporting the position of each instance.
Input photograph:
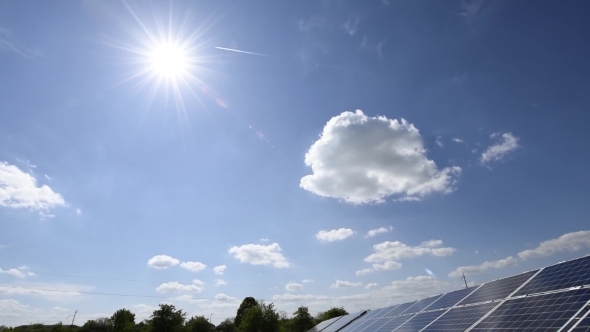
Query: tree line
(252, 316)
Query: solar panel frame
(360, 325)
(497, 289)
(392, 324)
(459, 318)
(451, 299)
(400, 309)
(419, 321)
(422, 304)
(583, 325)
(546, 312)
(560, 276)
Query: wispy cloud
(9, 43)
(351, 25)
(380, 47)
(377, 231)
(477, 269)
(315, 22)
(498, 151)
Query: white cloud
(264, 239)
(345, 284)
(380, 47)
(294, 297)
(47, 177)
(567, 242)
(305, 281)
(219, 269)
(377, 231)
(19, 189)
(220, 282)
(19, 272)
(351, 26)
(362, 159)
(476, 269)
(292, 286)
(371, 285)
(175, 287)
(334, 235)
(162, 262)
(389, 265)
(458, 140)
(193, 266)
(476, 252)
(257, 254)
(48, 291)
(392, 251)
(498, 151)
(439, 141)
(224, 297)
(408, 199)
(78, 212)
(363, 272)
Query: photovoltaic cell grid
(450, 299)
(419, 321)
(400, 309)
(583, 326)
(459, 319)
(341, 322)
(364, 321)
(392, 324)
(324, 324)
(497, 289)
(420, 305)
(564, 275)
(539, 313)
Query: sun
(169, 61)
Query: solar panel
(392, 324)
(560, 276)
(459, 319)
(450, 299)
(420, 305)
(419, 321)
(540, 313)
(583, 326)
(364, 321)
(497, 289)
(371, 325)
(400, 309)
(324, 324)
(342, 321)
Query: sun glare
(169, 60)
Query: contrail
(232, 50)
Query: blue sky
(362, 154)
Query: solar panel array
(554, 298)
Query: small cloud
(162, 262)
(476, 252)
(78, 212)
(477, 269)
(19, 272)
(408, 199)
(313, 23)
(47, 177)
(569, 242)
(460, 78)
(175, 287)
(458, 140)
(220, 282)
(293, 286)
(345, 284)
(258, 254)
(439, 141)
(334, 235)
(219, 269)
(363, 272)
(378, 231)
(498, 151)
(351, 26)
(305, 281)
(380, 47)
(224, 297)
(193, 266)
(371, 285)
(264, 239)
(389, 265)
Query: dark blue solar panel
(365, 321)
(419, 321)
(372, 324)
(568, 274)
(459, 319)
(497, 289)
(420, 305)
(342, 321)
(400, 309)
(450, 299)
(539, 313)
(583, 326)
(391, 324)
(324, 324)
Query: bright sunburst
(169, 61)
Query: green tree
(260, 318)
(334, 312)
(227, 325)
(143, 326)
(248, 303)
(123, 320)
(59, 327)
(167, 319)
(199, 324)
(302, 320)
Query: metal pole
(73, 319)
(465, 279)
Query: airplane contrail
(233, 50)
